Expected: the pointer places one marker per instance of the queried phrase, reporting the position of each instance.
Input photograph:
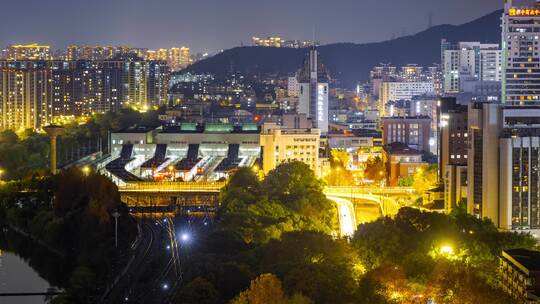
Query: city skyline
(192, 23)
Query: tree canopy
(290, 198)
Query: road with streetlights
(357, 207)
(346, 214)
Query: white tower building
(313, 91)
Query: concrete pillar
(53, 132)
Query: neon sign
(523, 12)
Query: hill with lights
(350, 63)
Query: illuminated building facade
(504, 165)
(162, 54)
(28, 52)
(178, 58)
(412, 73)
(92, 52)
(206, 152)
(453, 151)
(521, 57)
(413, 131)
(144, 83)
(401, 161)
(282, 145)
(519, 274)
(466, 61)
(313, 91)
(292, 87)
(158, 82)
(402, 90)
(86, 87)
(25, 95)
(274, 41)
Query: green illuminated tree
(375, 169)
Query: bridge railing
(172, 187)
(362, 189)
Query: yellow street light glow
(86, 170)
(447, 250)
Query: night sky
(210, 25)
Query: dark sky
(209, 25)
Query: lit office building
(28, 52)
(453, 151)
(313, 91)
(504, 165)
(25, 95)
(521, 57)
(519, 274)
(469, 61)
(282, 145)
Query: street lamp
(184, 237)
(116, 215)
(172, 173)
(447, 250)
(86, 170)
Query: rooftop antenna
(313, 40)
(430, 19)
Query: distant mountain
(350, 62)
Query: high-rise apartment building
(144, 83)
(402, 90)
(86, 87)
(158, 82)
(28, 52)
(162, 54)
(313, 91)
(521, 57)
(412, 73)
(178, 58)
(436, 76)
(379, 74)
(469, 61)
(25, 95)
